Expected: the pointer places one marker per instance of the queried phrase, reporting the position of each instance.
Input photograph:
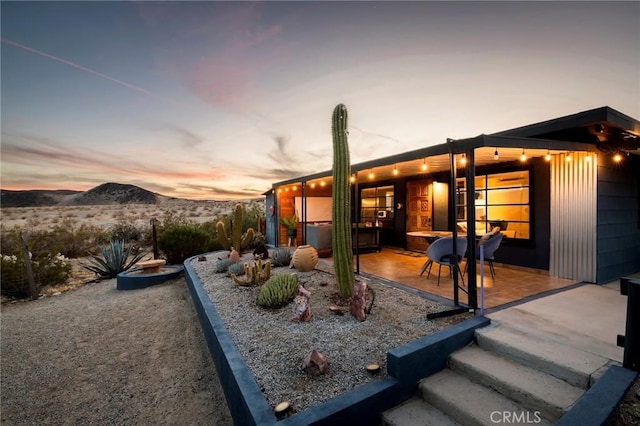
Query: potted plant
(291, 223)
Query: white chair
(441, 252)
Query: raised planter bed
(406, 365)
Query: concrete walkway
(588, 317)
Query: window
(501, 199)
(377, 205)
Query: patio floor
(511, 284)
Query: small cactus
(236, 269)
(222, 265)
(278, 291)
(281, 256)
(256, 273)
(237, 239)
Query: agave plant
(115, 258)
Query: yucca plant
(116, 258)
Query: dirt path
(97, 355)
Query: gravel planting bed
(273, 343)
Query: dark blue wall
(618, 227)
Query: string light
(587, 159)
(295, 187)
(568, 157)
(395, 170)
(352, 178)
(424, 164)
(496, 156)
(322, 183)
(463, 160)
(548, 156)
(617, 158)
(371, 175)
(523, 157)
(313, 184)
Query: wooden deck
(511, 284)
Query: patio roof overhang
(436, 158)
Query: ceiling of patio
(440, 163)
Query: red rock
(358, 301)
(315, 363)
(302, 304)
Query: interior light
(295, 187)
(523, 157)
(424, 164)
(496, 156)
(279, 189)
(395, 171)
(322, 183)
(286, 189)
(617, 158)
(463, 160)
(548, 156)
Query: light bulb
(523, 157)
(463, 160)
(617, 158)
(395, 171)
(547, 157)
(496, 156)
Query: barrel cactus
(341, 208)
(278, 290)
(281, 256)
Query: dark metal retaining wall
(406, 365)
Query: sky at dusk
(218, 100)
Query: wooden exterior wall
(285, 203)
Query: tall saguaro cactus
(341, 209)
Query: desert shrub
(252, 214)
(278, 290)
(115, 258)
(281, 256)
(69, 238)
(126, 231)
(178, 242)
(47, 270)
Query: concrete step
(564, 331)
(416, 412)
(530, 388)
(472, 404)
(532, 349)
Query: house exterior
(565, 193)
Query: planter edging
(248, 406)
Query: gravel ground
(274, 344)
(96, 356)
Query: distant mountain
(35, 197)
(105, 194)
(113, 193)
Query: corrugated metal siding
(573, 208)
